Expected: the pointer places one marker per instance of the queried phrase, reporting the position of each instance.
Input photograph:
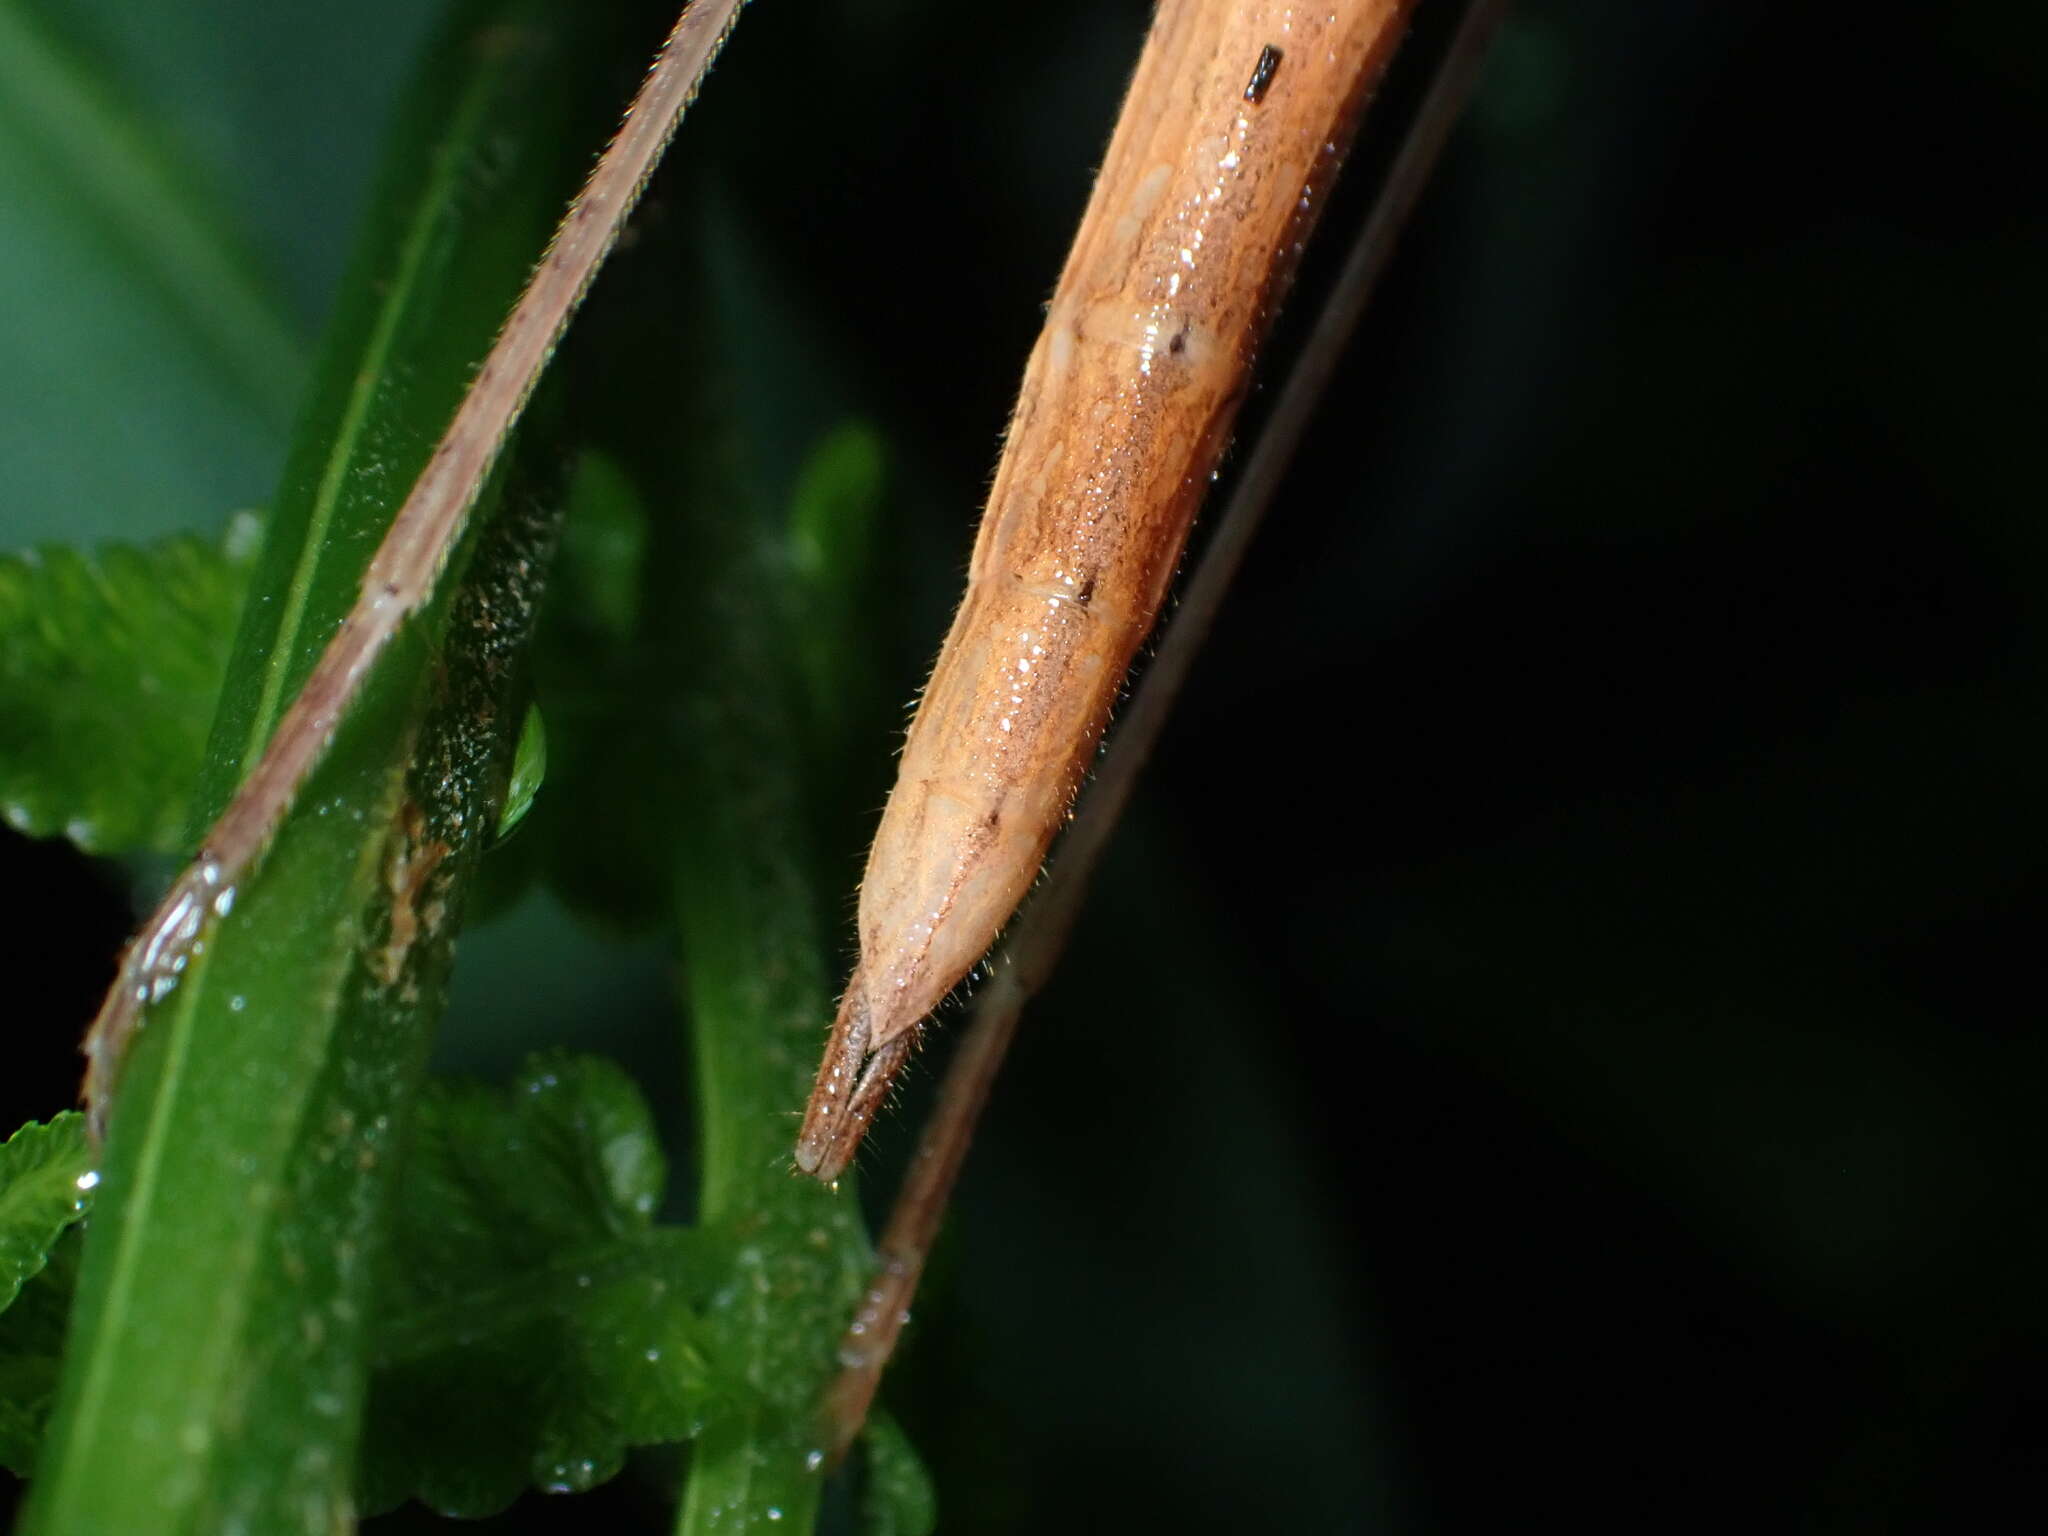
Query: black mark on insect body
(1262, 73)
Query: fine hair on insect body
(1232, 131)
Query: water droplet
(90, 1179)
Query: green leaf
(898, 1499)
(175, 238)
(151, 371)
(705, 752)
(110, 671)
(525, 1286)
(529, 772)
(756, 983)
(604, 555)
(46, 1186)
(31, 1345)
(741, 645)
(218, 1362)
(673, 676)
(833, 519)
(529, 1290)
(597, 680)
(756, 990)
(45, 1180)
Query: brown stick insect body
(1032, 946)
(1232, 129)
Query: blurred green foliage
(111, 662)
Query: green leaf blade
(530, 1290)
(899, 1499)
(152, 370)
(31, 1351)
(46, 1187)
(110, 668)
(754, 580)
(219, 1363)
(45, 1182)
(758, 995)
(148, 208)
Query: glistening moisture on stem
(1028, 957)
(409, 562)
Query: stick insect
(1034, 947)
(1236, 120)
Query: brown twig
(1027, 959)
(408, 564)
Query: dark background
(1558, 1035)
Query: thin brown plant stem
(403, 573)
(1027, 959)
